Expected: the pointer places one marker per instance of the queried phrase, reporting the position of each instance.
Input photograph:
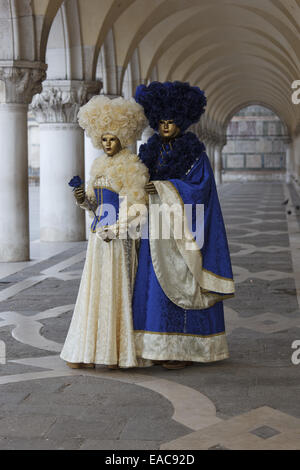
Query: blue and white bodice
(105, 204)
(115, 185)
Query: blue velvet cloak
(193, 178)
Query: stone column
(205, 138)
(209, 151)
(19, 81)
(289, 162)
(61, 157)
(218, 164)
(212, 155)
(148, 132)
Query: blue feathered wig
(176, 101)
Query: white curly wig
(123, 118)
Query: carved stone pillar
(205, 138)
(61, 156)
(218, 164)
(209, 151)
(212, 154)
(216, 154)
(289, 162)
(148, 132)
(19, 81)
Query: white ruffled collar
(125, 172)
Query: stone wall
(256, 145)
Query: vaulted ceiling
(239, 51)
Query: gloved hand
(79, 194)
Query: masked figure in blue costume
(181, 283)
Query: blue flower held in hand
(75, 182)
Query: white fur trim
(127, 175)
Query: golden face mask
(111, 144)
(168, 129)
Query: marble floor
(249, 401)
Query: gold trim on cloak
(210, 281)
(178, 334)
(181, 347)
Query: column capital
(210, 138)
(214, 139)
(205, 135)
(20, 80)
(222, 141)
(60, 100)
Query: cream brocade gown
(101, 329)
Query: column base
(53, 235)
(14, 254)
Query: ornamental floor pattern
(249, 401)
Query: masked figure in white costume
(101, 330)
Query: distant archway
(256, 145)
